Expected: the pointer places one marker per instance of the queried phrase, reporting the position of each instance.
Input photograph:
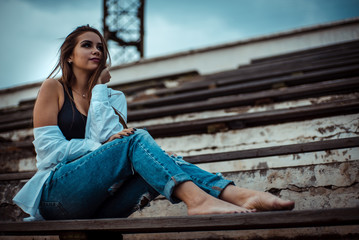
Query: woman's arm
(47, 104)
(102, 121)
(52, 147)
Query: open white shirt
(52, 147)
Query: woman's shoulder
(47, 103)
(50, 88)
(51, 84)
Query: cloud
(168, 36)
(55, 5)
(252, 17)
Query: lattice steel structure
(123, 26)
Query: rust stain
(344, 167)
(327, 129)
(272, 177)
(313, 179)
(263, 101)
(218, 127)
(263, 172)
(328, 153)
(262, 165)
(238, 109)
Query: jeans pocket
(52, 210)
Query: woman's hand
(105, 76)
(123, 133)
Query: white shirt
(52, 147)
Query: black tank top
(71, 122)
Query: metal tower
(123, 26)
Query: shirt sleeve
(52, 147)
(102, 121)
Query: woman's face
(87, 53)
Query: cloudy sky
(33, 30)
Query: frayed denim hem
(172, 183)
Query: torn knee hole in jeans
(114, 188)
(144, 201)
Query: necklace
(82, 95)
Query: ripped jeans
(84, 188)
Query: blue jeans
(84, 188)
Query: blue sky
(33, 30)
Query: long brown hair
(66, 49)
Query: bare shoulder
(51, 85)
(50, 89)
(47, 103)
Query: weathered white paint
(13, 98)
(264, 136)
(27, 164)
(242, 110)
(303, 159)
(17, 135)
(215, 59)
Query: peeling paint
(262, 165)
(242, 109)
(306, 159)
(279, 134)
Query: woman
(91, 166)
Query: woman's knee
(141, 132)
(142, 135)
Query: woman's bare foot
(263, 201)
(251, 199)
(211, 205)
(200, 203)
